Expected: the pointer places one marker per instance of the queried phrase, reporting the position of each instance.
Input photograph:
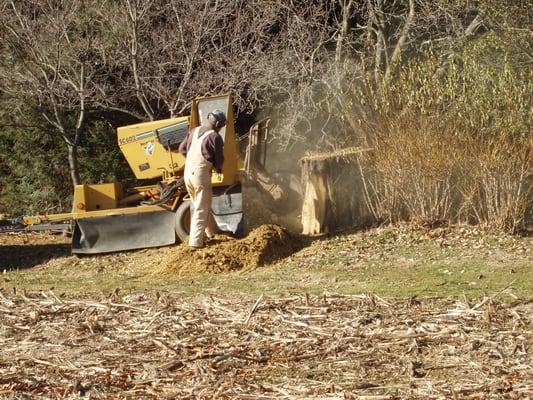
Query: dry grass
(399, 261)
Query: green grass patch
(383, 262)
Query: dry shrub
(411, 173)
(450, 132)
(453, 147)
(497, 190)
(428, 177)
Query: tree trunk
(315, 203)
(396, 54)
(318, 207)
(73, 164)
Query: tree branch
(401, 41)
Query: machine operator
(204, 152)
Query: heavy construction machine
(110, 217)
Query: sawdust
(263, 245)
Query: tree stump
(332, 197)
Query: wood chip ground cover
(160, 341)
(263, 245)
(161, 345)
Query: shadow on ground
(28, 256)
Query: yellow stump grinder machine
(109, 217)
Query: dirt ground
(265, 244)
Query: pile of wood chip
(330, 347)
(265, 244)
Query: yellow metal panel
(146, 156)
(78, 201)
(103, 196)
(231, 155)
(121, 211)
(39, 219)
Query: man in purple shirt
(204, 152)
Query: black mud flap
(228, 212)
(123, 232)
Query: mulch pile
(263, 245)
(302, 347)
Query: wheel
(183, 221)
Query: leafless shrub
(497, 190)
(408, 175)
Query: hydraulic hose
(166, 194)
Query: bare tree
(160, 49)
(52, 57)
(303, 59)
(391, 26)
(171, 52)
(129, 24)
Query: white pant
(198, 184)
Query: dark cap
(217, 119)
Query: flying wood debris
(333, 191)
(302, 347)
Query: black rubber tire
(183, 221)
